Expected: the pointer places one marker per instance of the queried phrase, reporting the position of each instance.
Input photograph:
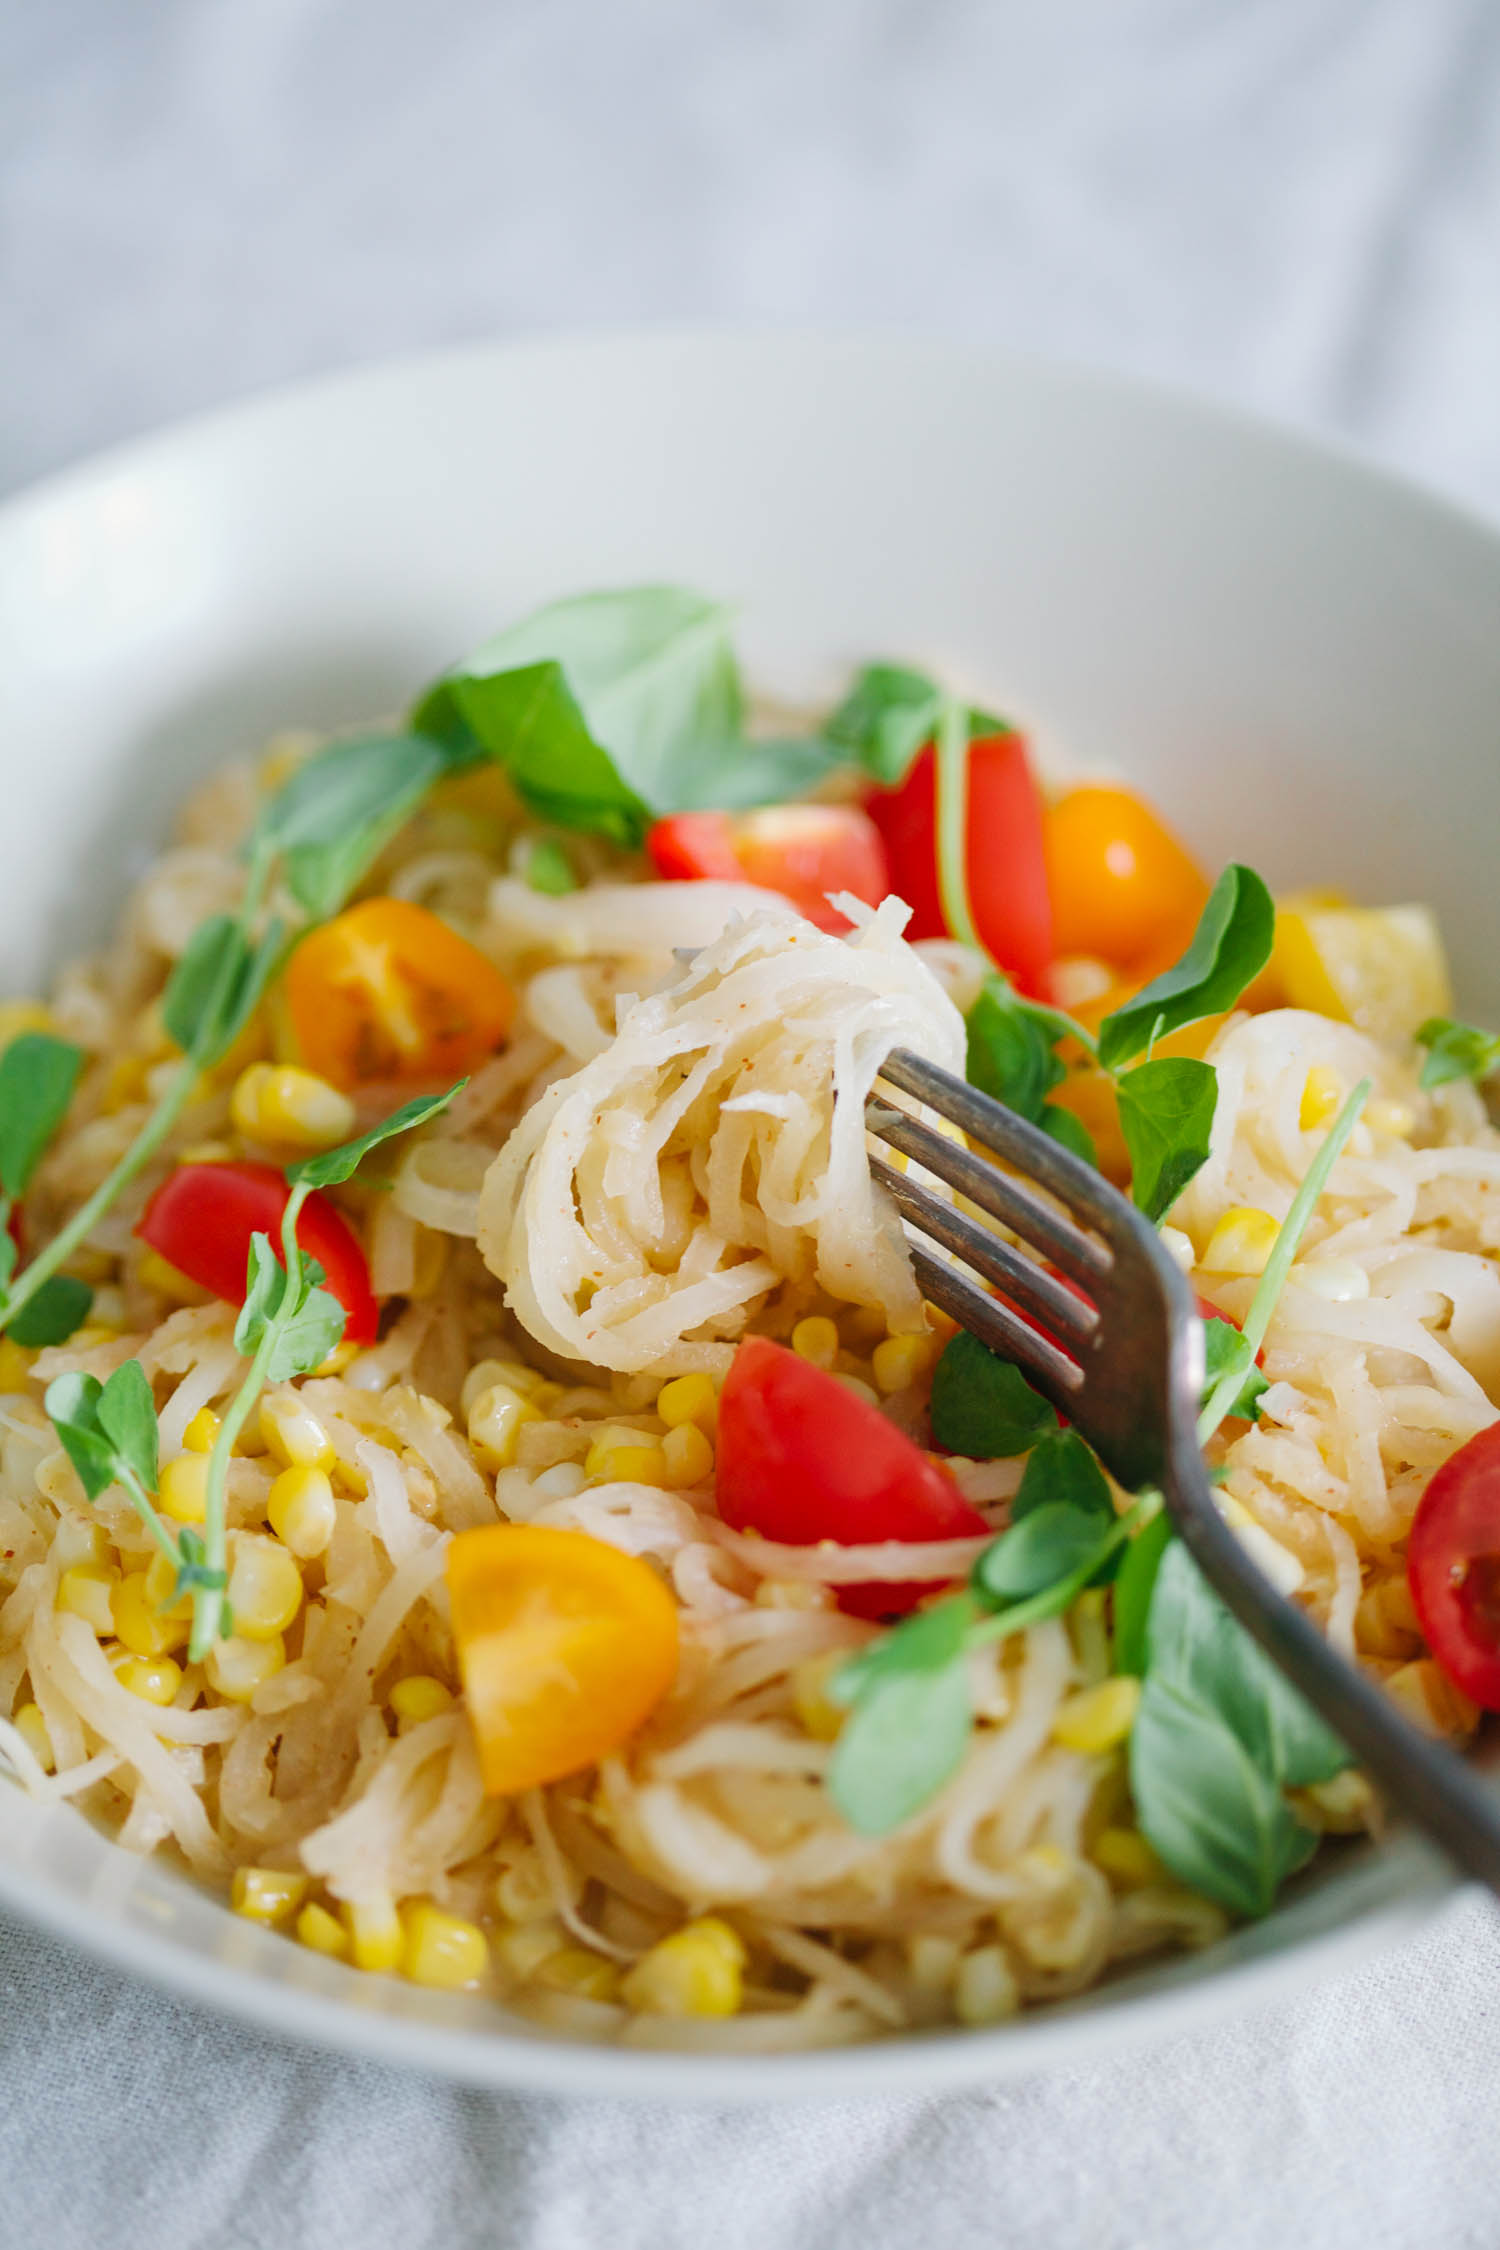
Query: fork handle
(1436, 1790)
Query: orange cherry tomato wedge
(803, 851)
(1122, 886)
(566, 1646)
(802, 1460)
(387, 991)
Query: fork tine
(990, 1121)
(1007, 1199)
(1007, 1335)
(990, 1255)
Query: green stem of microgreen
(951, 786)
(1053, 1600)
(140, 1499)
(1288, 1242)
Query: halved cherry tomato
(803, 851)
(1453, 1567)
(801, 1459)
(1123, 888)
(566, 1647)
(387, 991)
(1007, 871)
(201, 1219)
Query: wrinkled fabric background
(1292, 203)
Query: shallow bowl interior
(1295, 657)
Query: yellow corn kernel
(1385, 1621)
(200, 1433)
(292, 1107)
(93, 1332)
(303, 1511)
(1322, 1098)
(319, 1930)
(442, 1950)
(140, 1626)
(689, 1457)
(792, 1593)
(814, 1706)
(17, 1016)
(342, 1356)
(206, 1152)
(573, 1969)
(901, 1361)
(235, 1668)
(609, 1461)
(522, 1951)
(817, 1341)
(124, 1083)
(1431, 1701)
(161, 1577)
(293, 1433)
(698, 1971)
(376, 1938)
(985, 1988)
(265, 1586)
(87, 1591)
(15, 1364)
(182, 1492)
(267, 1894)
(77, 1540)
(155, 1679)
(418, 1697)
(496, 1420)
(1340, 1807)
(32, 1728)
(689, 1398)
(1126, 1858)
(525, 1381)
(1097, 1718)
(155, 1272)
(1242, 1242)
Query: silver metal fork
(1127, 1370)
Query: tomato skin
(201, 1219)
(802, 851)
(800, 1460)
(387, 991)
(1453, 1567)
(1007, 869)
(1123, 888)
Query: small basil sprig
(287, 1326)
(1226, 1350)
(890, 715)
(982, 1406)
(1456, 1050)
(340, 808)
(1229, 948)
(1166, 1112)
(1012, 1056)
(911, 1712)
(109, 1433)
(38, 1075)
(1061, 1467)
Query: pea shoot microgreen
(1456, 1050)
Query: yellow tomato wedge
(1123, 888)
(1383, 969)
(566, 1646)
(387, 991)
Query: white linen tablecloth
(1293, 202)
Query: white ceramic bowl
(1297, 658)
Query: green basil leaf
(1224, 1347)
(335, 1165)
(216, 984)
(596, 706)
(1060, 1467)
(59, 1307)
(1195, 1646)
(306, 1336)
(72, 1403)
(1456, 1050)
(738, 772)
(1010, 1050)
(1069, 1132)
(357, 785)
(1206, 1808)
(37, 1076)
(889, 716)
(8, 1255)
(127, 1415)
(265, 1285)
(1051, 1543)
(982, 1406)
(549, 869)
(1166, 1116)
(1134, 1586)
(1230, 947)
(911, 1721)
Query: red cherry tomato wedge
(802, 1460)
(803, 851)
(1007, 865)
(201, 1219)
(1453, 1567)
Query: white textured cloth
(1293, 202)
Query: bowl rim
(535, 2061)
